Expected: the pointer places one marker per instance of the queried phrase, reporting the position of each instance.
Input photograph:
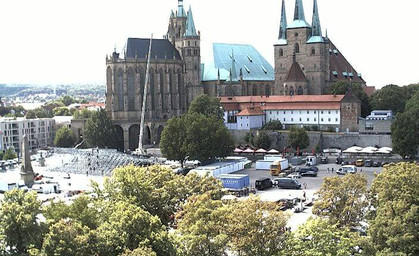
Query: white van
(347, 169)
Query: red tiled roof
(251, 111)
(339, 64)
(369, 90)
(296, 74)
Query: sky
(66, 42)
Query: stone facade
(174, 81)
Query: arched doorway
(159, 132)
(146, 135)
(134, 132)
(119, 143)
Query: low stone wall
(279, 140)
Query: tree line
(152, 211)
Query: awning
(261, 150)
(237, 150)
(273, 151)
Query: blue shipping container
(235, 181)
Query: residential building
(41, 132)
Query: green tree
(39, 113)
(256, 228)
(67, 100)
(69, 238)
(207, 105)
(390, 97)
(262, 140)
(342, 199)
(141, 251)
(394, 213)
(65, 138)
(207, 138)
(61, 111)
(318, 237)
(99, 130)
(202, 227)
(273, 125)
(83, 114)
(298, 138)
(172, 142)
(9, 154)
(30, 115)
(405, 129)
(20, 225)
(341, 87)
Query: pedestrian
(304, 196)
(305, 185)
(327, 169)
(333, 169)
(361, 169)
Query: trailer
(216, 169)
(272, 157)
(235, 181)
(263, 164)
(312, 160)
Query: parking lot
(313, 185)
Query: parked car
(287, 183)
(347, 169)
(263, 184)
(359, 162)
(384, 163)
(324, 160)
(294, 175)
(344, 162)
(183, 171)
(308, 171)
(376, 164)
(368, 163)
(339, 160)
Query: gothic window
(120, 89)
(297, 48)
(189, 52)
(130, 90)
(151, 87)
(109, 81)
(142, 82)
(162, 90)
(281, 52)
(300, 90)
(189, 43)
(291, 90)
(313, 51)
(296, 34)
(172, 98)
(179, 84)
(268, 90)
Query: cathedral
(306, 63)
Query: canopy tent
(352, 150)
(248, 150)
(368, 150)
(261, 150)
(273, 151)
(384, 151)
(237, 150)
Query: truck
(279, 166)
(236, 184)
(312, 160)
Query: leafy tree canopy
(395, 213)
(207, 105)
(67, 100)
(262, 140)
(342, 199)
(39, 113)
(390, 97)
(99, 130)
(298, 138)
(83, 114)
(65, 137)
(9, 154)
(61, 111)
(273, 125)
(341, 87)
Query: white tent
(261, 150)
(273, 151)
(368, 150)
(352, 150)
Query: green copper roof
(315, 24)
(283, 25)
(315, 39)
(180, 10)
(246, 58)
(190, 25)
(299, 19)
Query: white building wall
(40, 132)
(304, 117)
(243, 123)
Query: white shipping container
(263, 164)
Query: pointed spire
(283, 25)
(172, 14)
(326, 34)
(190, 24)
(299, 11)
(180, 10)
(317, 30)
(299, 18)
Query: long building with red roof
(326, 112)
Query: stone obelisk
(26, 172)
